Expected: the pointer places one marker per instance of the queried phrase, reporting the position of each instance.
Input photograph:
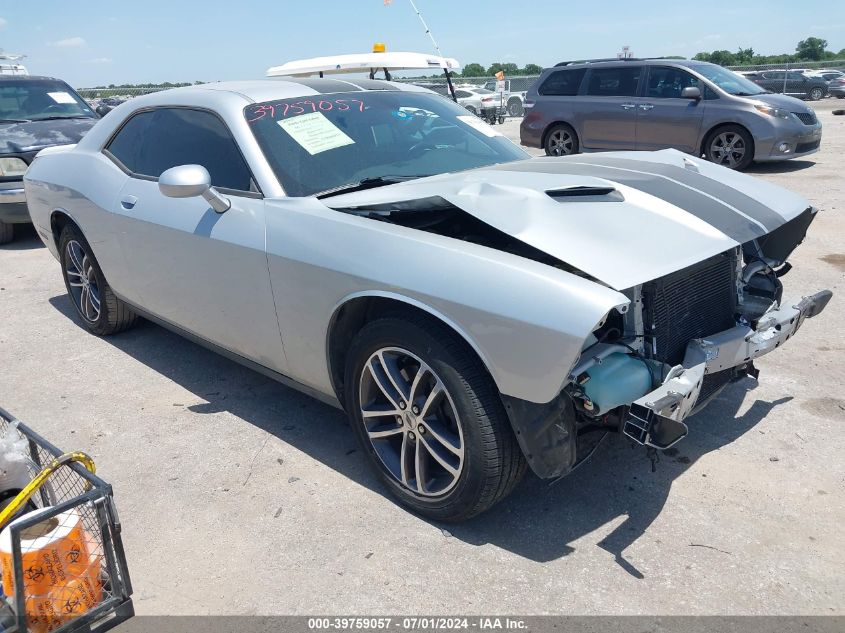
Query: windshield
(325, 142)
(39, 99)
(728, 80)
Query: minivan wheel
(816, 94)
(101, 311)
(561, 140)
(429, 418)
(730, 146)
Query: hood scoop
(586, 194)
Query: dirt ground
(240, 496)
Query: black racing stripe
(325, 86)
(373, 84)
(748, 205)
(701, 206)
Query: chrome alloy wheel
(82, 280)
(411, 422)
(561, 143)
(728, 149)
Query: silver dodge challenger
(473, 310)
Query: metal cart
(66, 486)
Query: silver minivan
(648, 104)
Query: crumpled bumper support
(656, 419)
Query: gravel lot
(240, 496)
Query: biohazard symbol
(34, 573)
(73, 555)
(72, 605)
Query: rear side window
(563, 83)
(614, 82)
(154, 141)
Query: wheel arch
(59, 219)
(703, 145)
(355, 311)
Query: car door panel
(664, 120)
(607, 111)
(203, 271)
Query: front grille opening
(807, 118)
(692, 303)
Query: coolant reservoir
(619, 379)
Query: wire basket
(78, 583)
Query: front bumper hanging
(656, 419)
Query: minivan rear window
(614, 82)
(563, 83)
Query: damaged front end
(687, 336)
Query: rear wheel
(430, 418)
(7, 232)
(101, 311)
(816, 93)
(561, 140)
(730, 146)
(515, 107)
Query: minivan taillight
(527, 104)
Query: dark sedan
(35, 112)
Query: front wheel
(816, 94)
(730, 146)
(430, 418)
(101, 311)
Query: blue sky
(186, 40)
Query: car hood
(623, 218)
(18, 138)
(782, 101)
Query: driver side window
(153, 141)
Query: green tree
(744, 55)
(531, 69)
(474, 70)
(812, 48)
(702, 57)
(510, 69)
(723, 58)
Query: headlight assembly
(780, 113)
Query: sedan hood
(19, 138)
(623, 218)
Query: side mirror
(691, 92)
(103, 109)
(189, 181)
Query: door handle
(646, 106)
(128, 202)
(628, 106)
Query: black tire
(730, 132)
(114, 315)
(7, 232)
(840, 96)
(816, 94)
(515, 107)
(561, 140)
(492, 460)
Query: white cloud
(70, 42)
(3, 23)
(100, 60)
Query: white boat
(371, 63)
(8, 65)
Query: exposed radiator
(694, 302)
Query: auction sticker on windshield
(61, 97)
(315, 133)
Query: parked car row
(696, 107)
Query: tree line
(812, 49)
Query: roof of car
(26, 77)
(259, 90)
(652, 61)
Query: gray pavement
(240, 496)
